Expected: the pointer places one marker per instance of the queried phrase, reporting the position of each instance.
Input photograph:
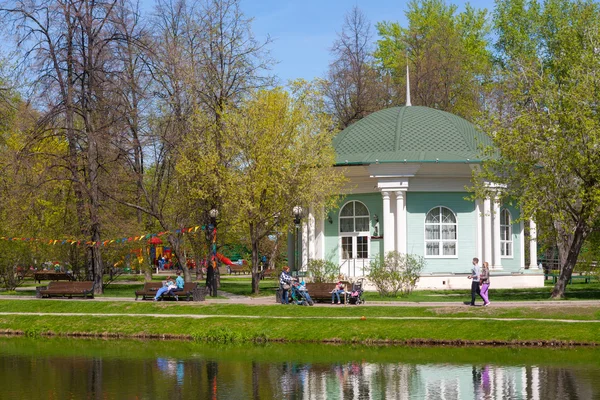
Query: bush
(323, 270)
(396, 273)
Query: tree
(354, 87)
(69, 46)
(279, 153)
(545, 122)
(447, 54)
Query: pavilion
(408, 169)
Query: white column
(388, 224)
(496, 246)
(532, 244)
(311, 234)
(320, 236)
(305, 244)
(401, 221)
(479, 221)
(487, 231)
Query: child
(302, 288)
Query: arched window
(354, 230)
(440, 233)
(506, 243)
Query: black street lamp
(297, 212)
(212, 227)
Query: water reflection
(111, 370)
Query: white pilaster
(496, 246)
(532, 244)
(305, 244)
(479, 215)
(311, 235)
(487, 231)
(388, 224)
(401, 221)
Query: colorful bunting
(72, 242)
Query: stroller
(356, 293)
(299, 297)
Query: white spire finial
(407, 85)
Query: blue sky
(304, 30)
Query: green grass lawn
(240, 323)
(369, 330)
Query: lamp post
(212, 227)
(297, 212)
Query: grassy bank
(303, 353)
(239, 323)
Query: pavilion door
(355, 255)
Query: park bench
(52, 276)
(67, 289)
(554, 277)
(269, 273)
(238, 269)
(150, 289)
(24, 273)
(322, 291)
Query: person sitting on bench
(179, 286)
(168, 284)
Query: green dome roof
(411, 134)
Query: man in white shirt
(475, 274)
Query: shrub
(323, 270)
(396, 273)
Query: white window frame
(510, 241)
(354, 235)
(440, 240)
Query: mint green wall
(514, 264)
(418, 205)
(374, 203)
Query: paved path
(204, 316)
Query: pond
(42, 368)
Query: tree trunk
(180, 255)
(273, 257)
(255, 273)
(569, 252)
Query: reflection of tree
(95, 379)
(562, 383)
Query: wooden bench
(150, 289)
(52, 276)
(67, 289)
(24, 273)
(322, 291)
(237, 269)
(584, 278)
(270, 273)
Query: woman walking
(485, 283)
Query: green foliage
(396, 273)
(544, 119)
(447, 52)
(13, 254)
(271, 152)
(323, 270)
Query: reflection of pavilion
(432, 381)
